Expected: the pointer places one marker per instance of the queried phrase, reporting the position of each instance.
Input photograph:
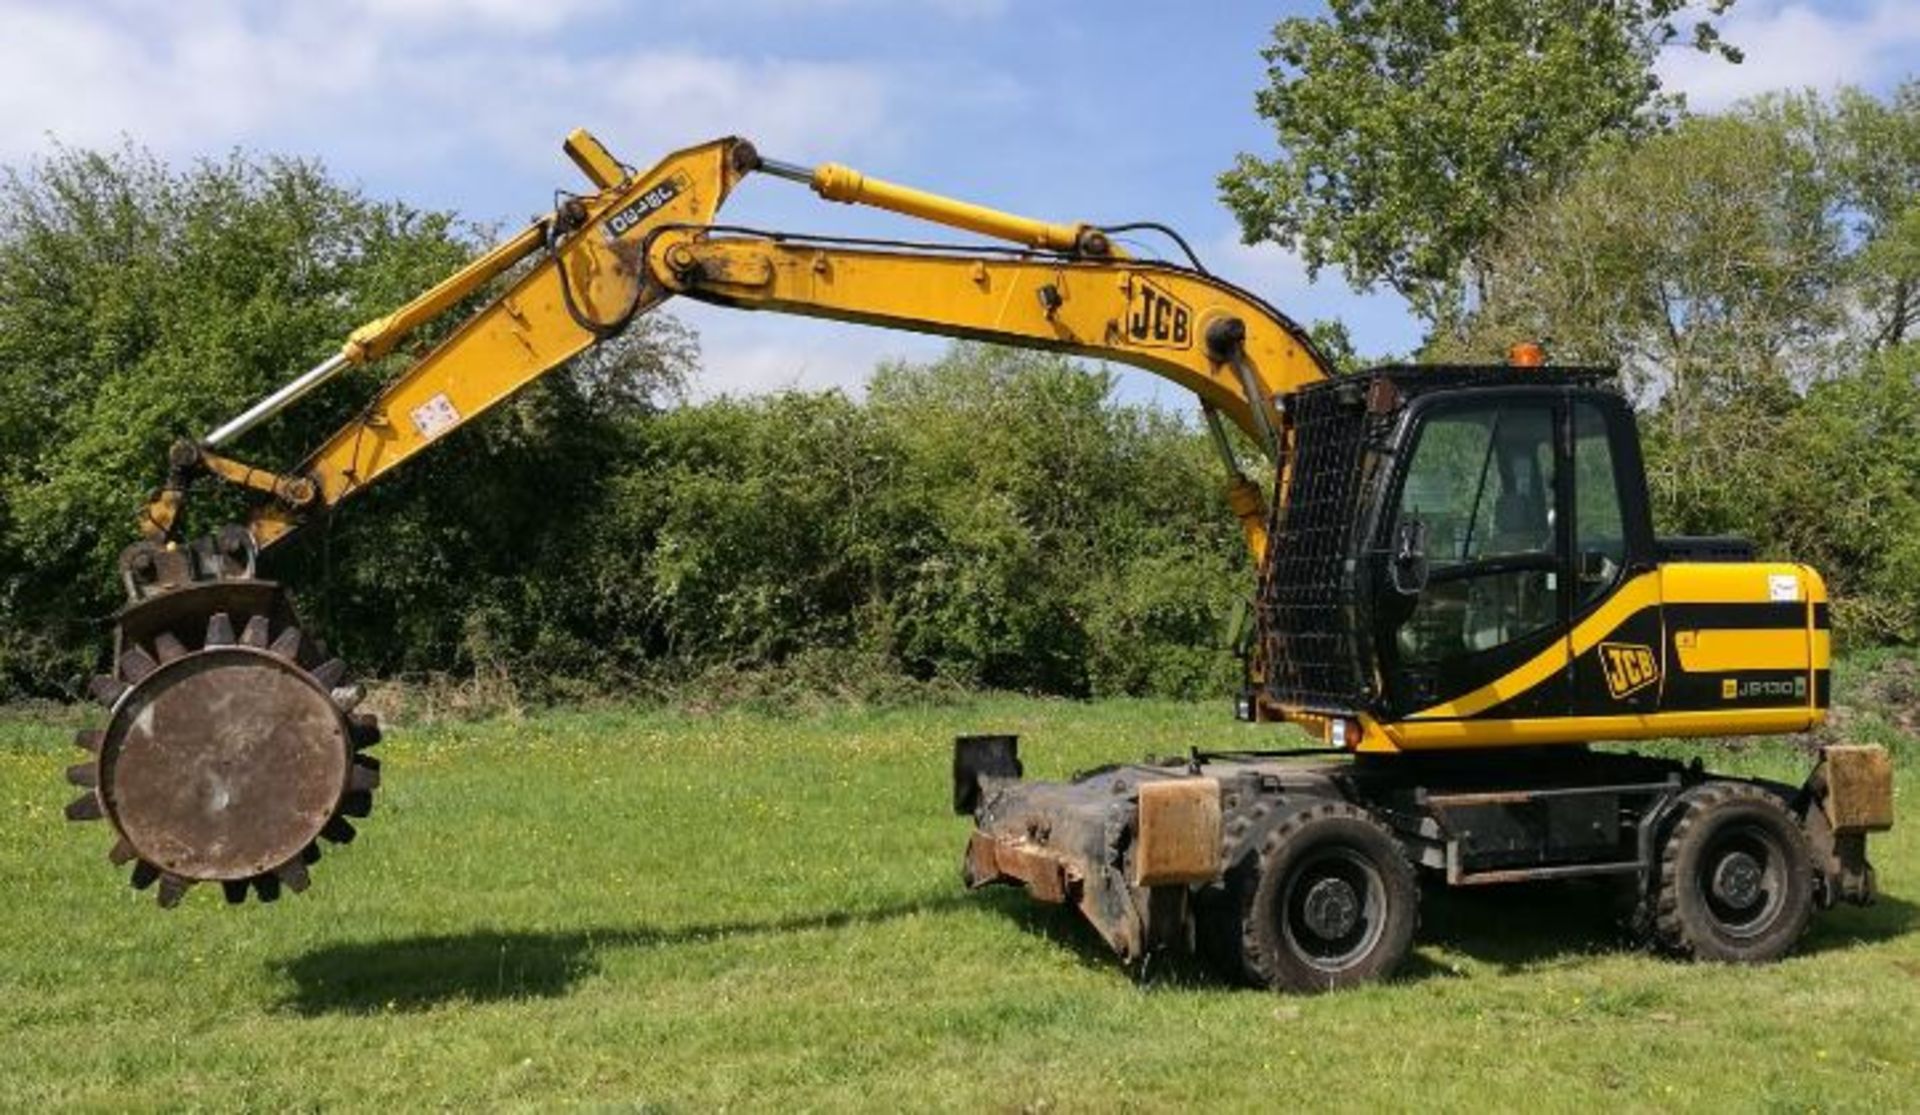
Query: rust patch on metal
(1491, 797)
(991, 860)
(224, 764)
(229, 751)
(1179, 832)
(1859, 781)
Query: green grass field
(659, 911)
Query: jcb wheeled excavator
(1459, 591)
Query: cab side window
(1599, 527)
(1480, 484)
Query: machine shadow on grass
(1525, 925)
(1512, 928)
(416, 973)
(1518, 928)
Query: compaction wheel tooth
(107, 689)
(294, 874)
(83, 774)
(136, 664)
(255, 633)
(366, 731)
(219, 630)
(357, 804)
(168, 648)
(329, 673)
(348, 697)
(172, 889)
(267, 887)
(235, 891)
(361, 779)
(121, 853)
(340, 831)
(287, 645)
(144, 874)
(89, 740)
(85, 808)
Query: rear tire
(1331, 902)
(1736, 877)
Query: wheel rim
(1742, 879)
(1332, 908)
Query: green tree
(1409, 128)
(1751, 274)
(991, 518)
(140, 303)
(1725, 267)
(1876, 144)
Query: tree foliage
(139, 303)
(1752, 274)
(1409, 128)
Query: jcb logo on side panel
(1629, 667)
(1157, 319)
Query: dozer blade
(229, 749)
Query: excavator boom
(601, 260)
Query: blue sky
(1098, 111)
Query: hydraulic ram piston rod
(292, 392)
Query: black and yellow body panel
(1685, 649)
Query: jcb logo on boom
(1157, 319)
(1629, 667)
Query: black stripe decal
(1703, 617)
(1822, 617)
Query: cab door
(1620, 652)
(1472, 611)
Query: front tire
(1736, 877)
(1332, 902)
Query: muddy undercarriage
(1298, 870)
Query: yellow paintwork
(839, 183)
(514, 339)
(1719, 650)
(1462, 735)
(593, 159)
(615, 263)
(998, 300)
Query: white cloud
(518, 15)
(1798, 46)
(953, 9)
(1266, 269)
(379, 84)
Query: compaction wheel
(231, 749)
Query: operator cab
(1516, 509)
(1474, 544)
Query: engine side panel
(1687, 649)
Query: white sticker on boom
(1783, 588)
(436, 416)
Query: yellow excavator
(1459, 592)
